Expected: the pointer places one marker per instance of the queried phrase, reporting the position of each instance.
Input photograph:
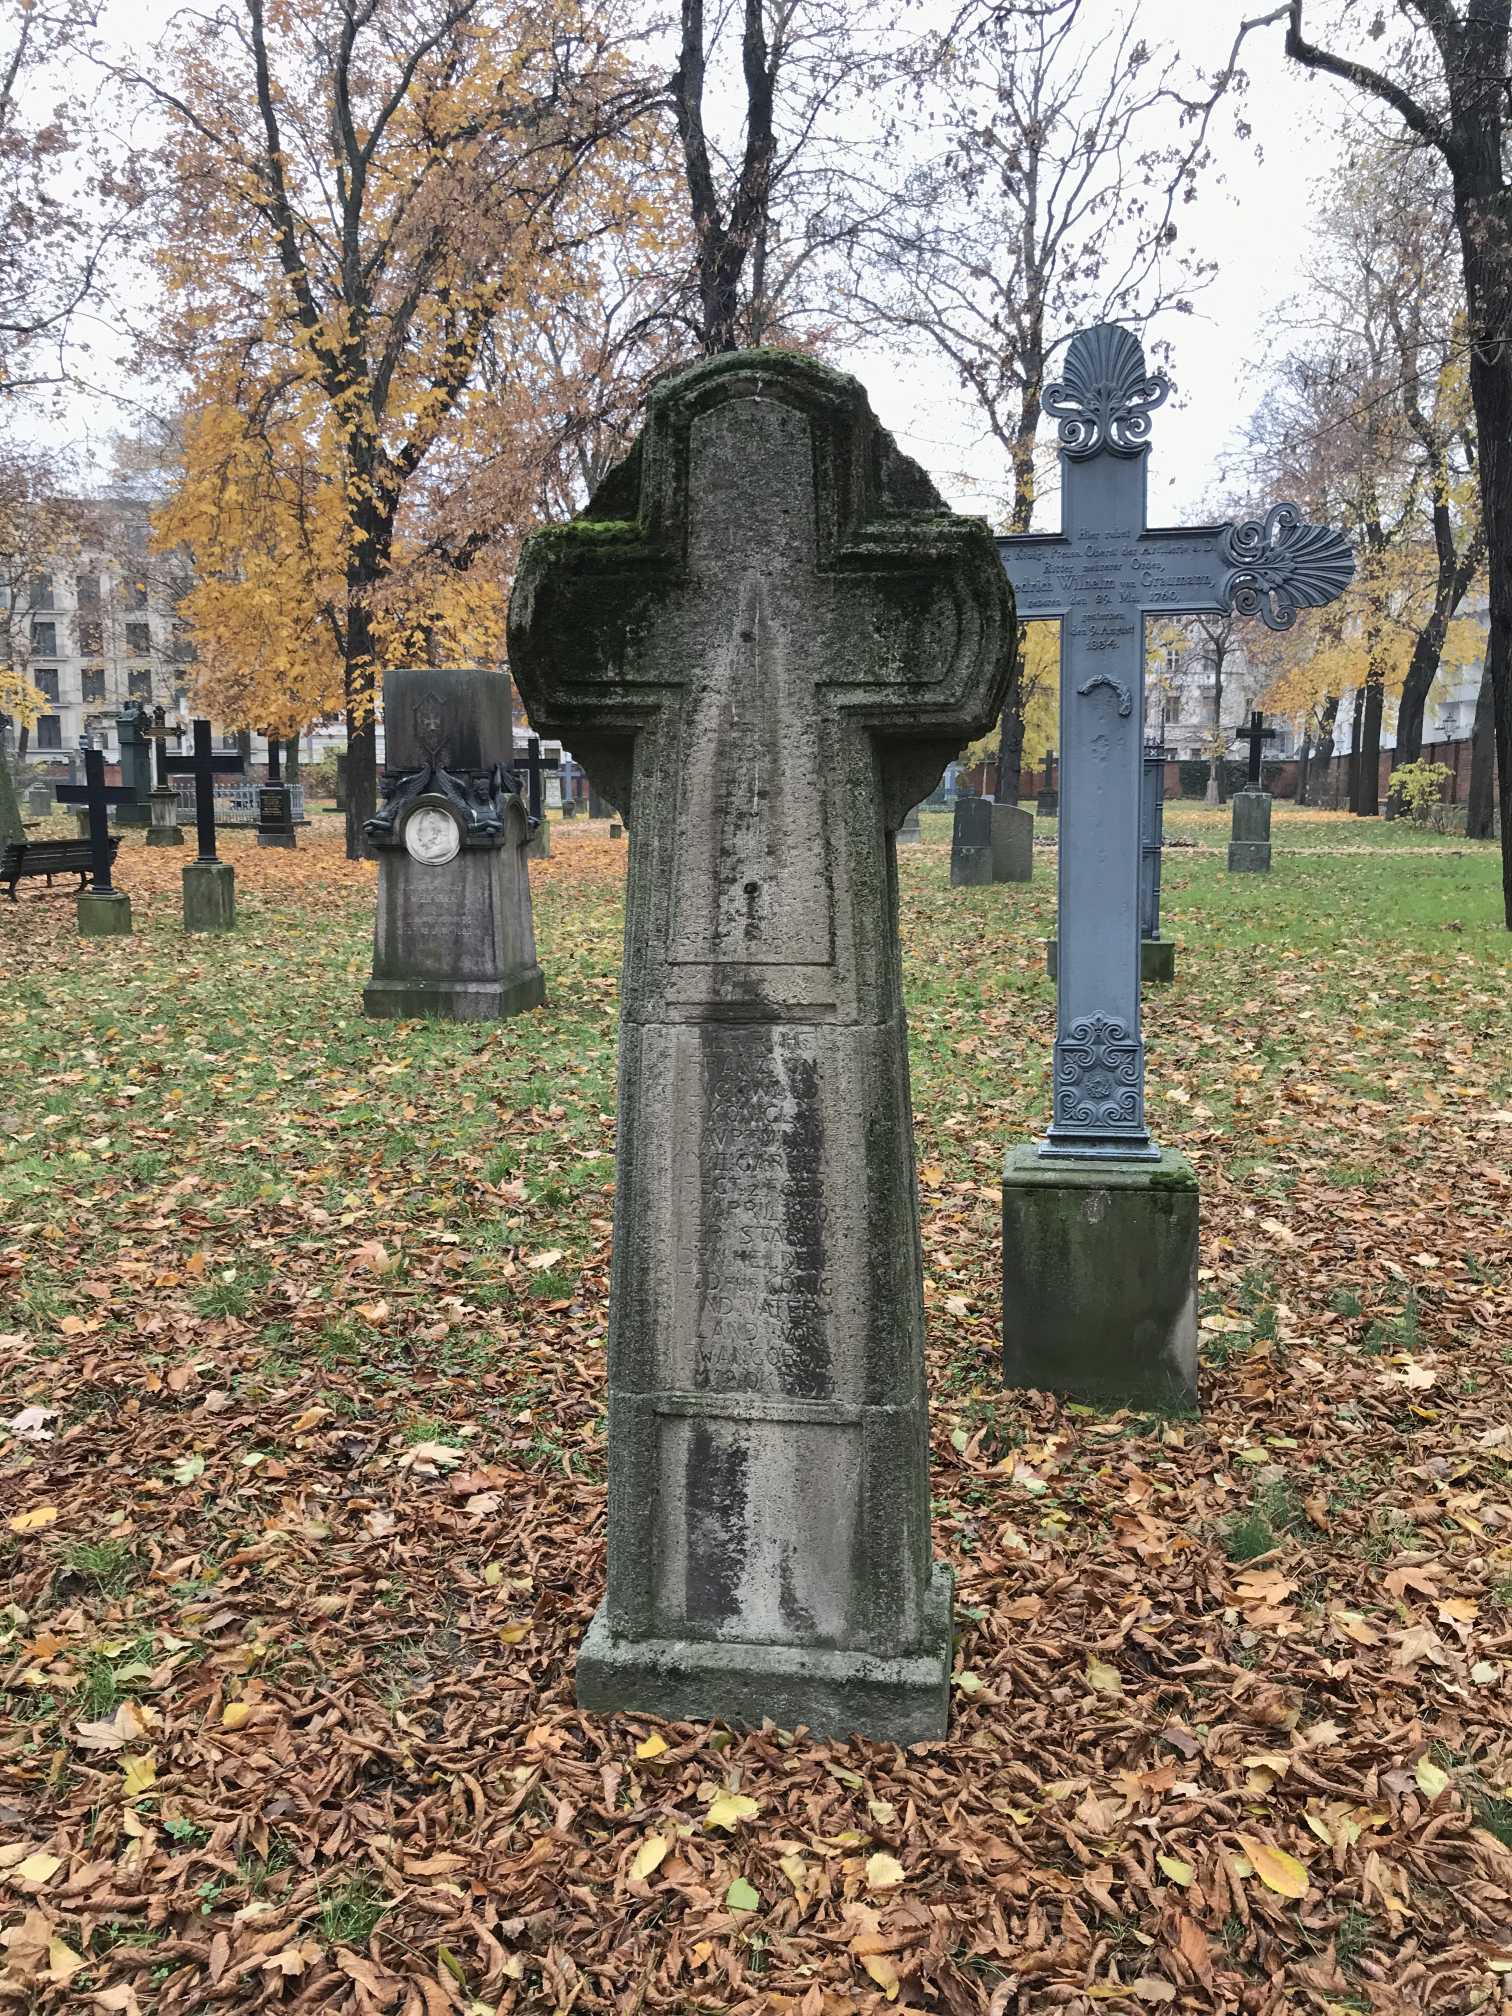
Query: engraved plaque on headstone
(765, 646)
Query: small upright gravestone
(1250, 842)
(971, 843)
(766, 642)
(910, 833)
(275, 803)
(132, 803)
(453, 937)
(1047, 805)
(164, 830)
(1012, 842)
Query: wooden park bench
(49, 858)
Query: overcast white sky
(1254, 222)
(1253, 219)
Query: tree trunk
(10, 812)
(1323, 761)
(1304, 764)
(1010, 767)
(1356, 729)
(1010, 756)
(1478, 804)
(1491, 386)
(361, 725)
(1370, 754)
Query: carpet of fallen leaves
(302, 1487)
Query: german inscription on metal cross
(1102, 574)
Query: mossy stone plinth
(1249, 845)
(209, 896)
(1157, 959)
(902, 1698)
(104, 913)
(1100, 1279)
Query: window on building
(180, 649)
(49, 732)
(88, 586)
(39, 592)
(45, 639)
(139, 685)
(1172, 712)
(91, 635)
(138, 640)
(136, 594)
(136, 535)
(94, 682)
(45, 679)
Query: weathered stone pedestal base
(1012, 843)
(1047, 805)
(104, 913)
(209, 896)
(1249, 847)
(164, 830)
(830, 1693)
(1157, 959)
(538, 846)
(276, 839)
(1100, 1279)
(454, 940)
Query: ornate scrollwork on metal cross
(1278, 565)
(1097, 1075)
(1107, 395)
(1125, 698)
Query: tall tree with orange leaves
(353, 195)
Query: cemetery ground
(302, 1485)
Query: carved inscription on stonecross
(760, 1298)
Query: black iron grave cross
(98, 796)
(204, 766)
(1256, 734)
(1102, 574)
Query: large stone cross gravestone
(765, 641)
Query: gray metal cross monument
(1099, 1291)
(1102, 574)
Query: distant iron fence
(235, 800)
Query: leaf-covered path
(302, 1488)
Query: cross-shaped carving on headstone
(98, 796)
(1102, 574)
(1257, 735)
(766, 646)
(205, 765)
